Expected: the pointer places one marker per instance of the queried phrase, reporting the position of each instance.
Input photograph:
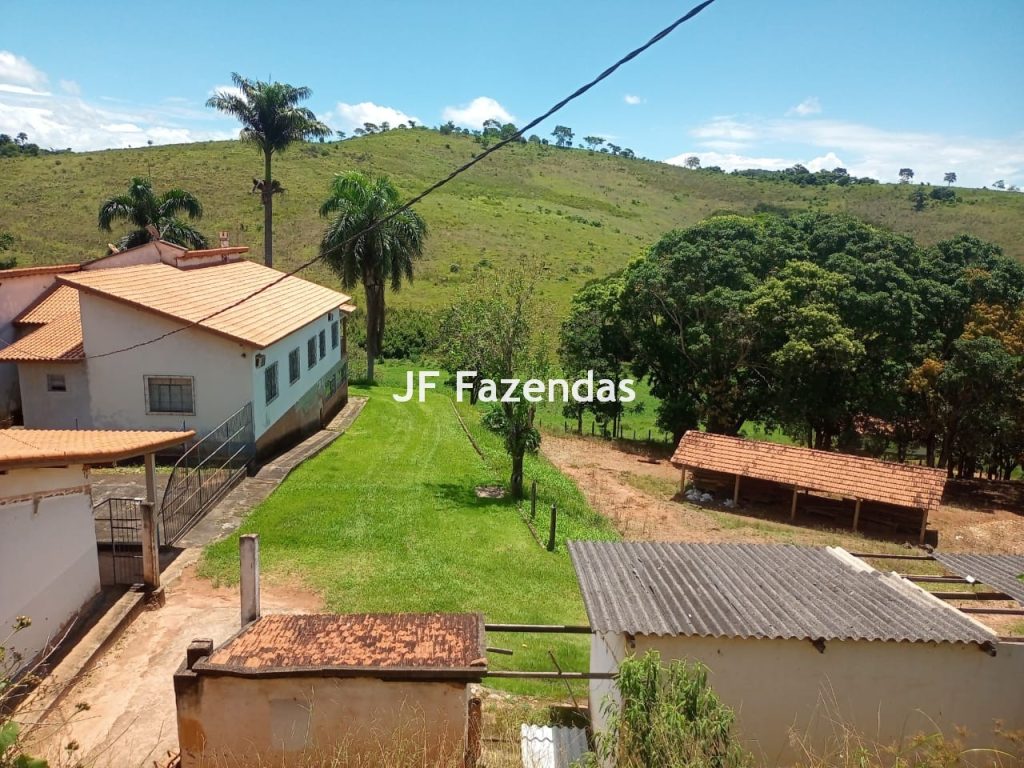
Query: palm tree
(143, 208)
(271, 120)
(374, 258)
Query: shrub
(670, 718)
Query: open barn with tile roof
(800, 642)
(867, 494)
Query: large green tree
(492, 329)
(144, 209)
(271, 119)
(371, 241)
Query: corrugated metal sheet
(545, 746)
(757, 591)
(853, 477)
(1001, 572)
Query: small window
(293, 366)
(270, 382)
(55, 382)
(169, 394)
(311, 352)
(335, 335)
(323, 344)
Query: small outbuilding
(882, 496)
(356, 689)
(49, 564)
(800, 642)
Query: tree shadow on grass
(464, 495)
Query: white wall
(148, 253)
(887, 690)
(16, 295)
(264, 414)
(221, 368)
(43, 409)
(48, 562)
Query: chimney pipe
(223, 239)
(249, 555)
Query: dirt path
(638, 497)
(131, 717)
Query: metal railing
(204, 473)
(119, 531)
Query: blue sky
(873, 85)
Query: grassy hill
(583, 214)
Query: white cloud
(809, 106)
(632, 100)
(17, 70)
(22, 90)
(754, 142)
(227, 90)
(474, 114)
(731, 161)
(65, 119)
(351, 116)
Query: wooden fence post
(551, 533)
(533, 500)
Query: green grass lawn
(386, 519)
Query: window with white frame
(270, 382)
(323, 344)
(170, 394)
(55, 382)
(311, 352)
(335, 335)
(293, 366)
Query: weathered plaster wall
(886, 690)
(43, 409)
(299, 721)
(48, 563)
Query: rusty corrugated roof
(852, 477)
(50, 447)
(381, 644)
(1002, 572)
(757, 591)
(189, 295)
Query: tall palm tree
(143, 208)
(374, 258)
(271, 119)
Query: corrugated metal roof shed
(1002, 572)
(757, 591)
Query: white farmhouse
(49, 565)
(87, 359)
(801, 642)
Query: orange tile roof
(852, 477)
(57, 447)
(50, 269)
(188, 295)
(59, 300)
(59, 341)
(384, 645)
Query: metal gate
(119, 539)
(204, 473)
